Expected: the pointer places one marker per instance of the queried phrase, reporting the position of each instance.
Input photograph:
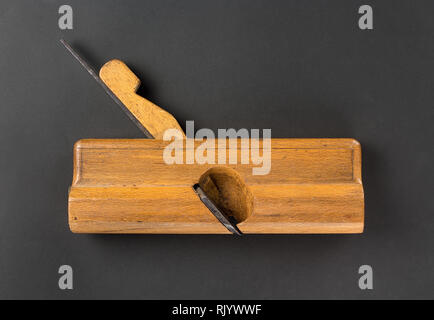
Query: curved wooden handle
(123, 82)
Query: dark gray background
(301, 68)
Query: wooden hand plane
(126, 186)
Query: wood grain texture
(124, 84)
(124, 186)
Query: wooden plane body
(125, 186)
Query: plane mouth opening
(226, 189)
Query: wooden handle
(124, 83)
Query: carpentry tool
(125, 186)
